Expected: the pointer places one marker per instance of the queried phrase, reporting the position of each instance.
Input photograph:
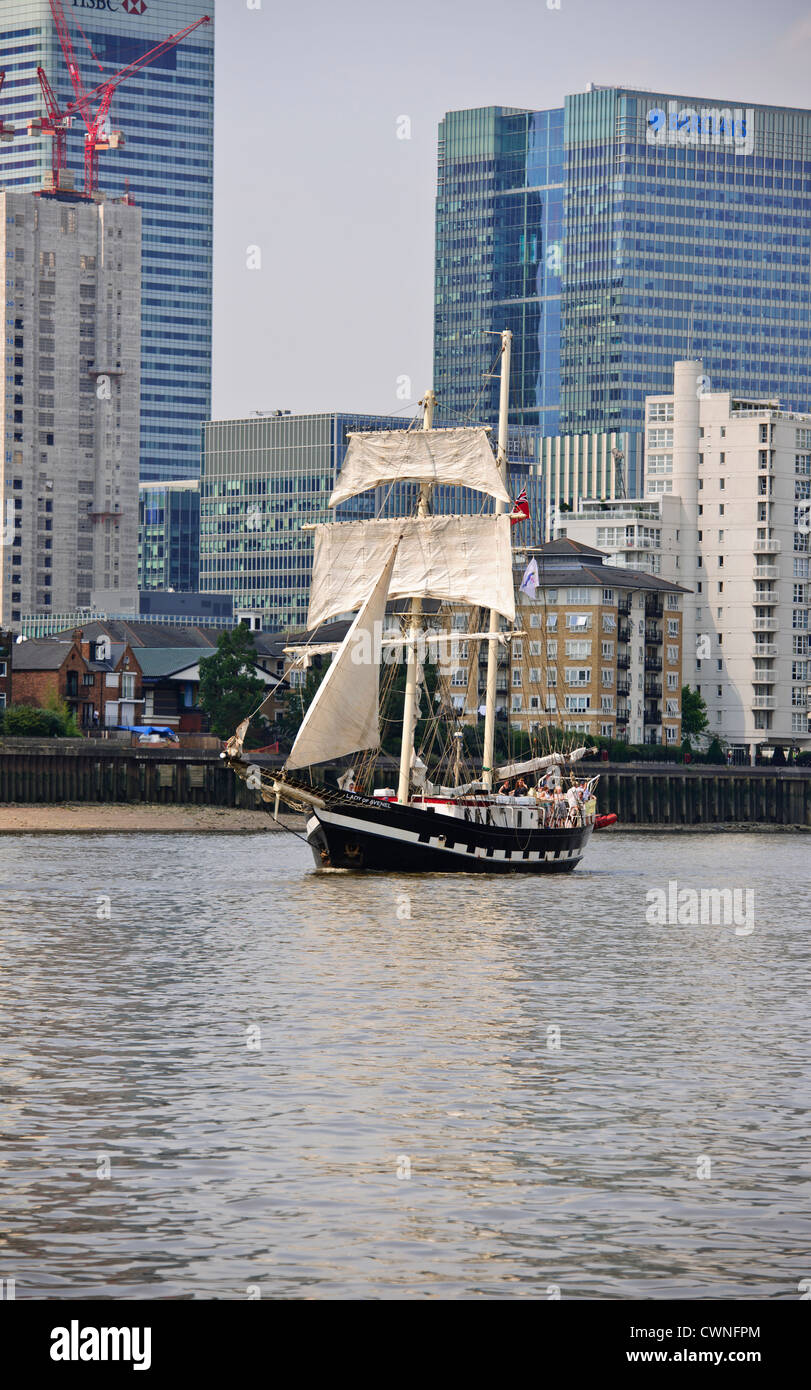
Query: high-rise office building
(165, 113)
(263, 479)
(169, 536)
(614, 235)
(69, 430)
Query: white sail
(461, 559)
(461, 456)
(343, 717)
(548, 760)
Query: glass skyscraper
(169, 536)
(165, 112)
(614, 235)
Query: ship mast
(492, 644)
(410, 699)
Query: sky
(324, 218)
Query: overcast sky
(309, 169)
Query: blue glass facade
(169, 536)
(165, 113)
(614, 235)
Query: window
(516, 676)
(672, 708)
(671, 732)
(579, 622)
(551, 622)
(578, 595)
(552, 651)
(607, 649)
(574, 703)
(609, 622)
(608, 595)
(673, 655)
(672, 680)
(722, 482)
(578, 648)
(517, 703)
(607, 704)
(551, 676)
(606, 675)
(672, 627)
(578, 675)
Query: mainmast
(492, 644)
(410, 699)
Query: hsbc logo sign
(112, 6)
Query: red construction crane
(6, 131)
(97, 134)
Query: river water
(227, 1076)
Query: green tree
(693, 712)
(229, 686)
(30, 721)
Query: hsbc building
(165, 114)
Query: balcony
(624, 607)
(623, 687)
(653, 663)
(766, 547)
(767, 571)
(652, 715)
(764, 702)
(766, 599)
(766, 677)
(653, 690)
(654, 606)
(766, 649)
(624, 632)
(765, 624)
(653, 634)
(623, 662)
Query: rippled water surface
(391, 1043)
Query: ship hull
(360, 833)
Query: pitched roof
(166, 661)
(46, 654)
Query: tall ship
(493, 821)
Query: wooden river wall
(59, 770)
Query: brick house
(99, 681)
(6, 641)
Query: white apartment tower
(70, 428)
(742, 471)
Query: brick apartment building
(601, 652)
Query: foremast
(500, 507)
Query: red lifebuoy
(600, 822)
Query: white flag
(531, 580)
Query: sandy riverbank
(113, 819)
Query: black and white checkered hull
(364, 833)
